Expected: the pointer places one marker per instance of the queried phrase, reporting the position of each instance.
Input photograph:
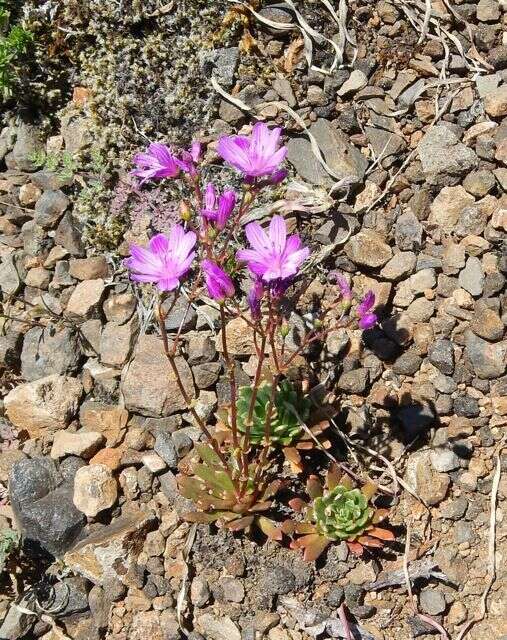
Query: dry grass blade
(426, 23)
(235, 101)
(491, 546)
(182, 595)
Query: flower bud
(284, 330)
(185, 211)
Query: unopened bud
(284, 330)
(346, 303)
(212, 233)
(185, 211)
(248, 198)
(317, 324)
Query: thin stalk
(199, 421)
(233, 389)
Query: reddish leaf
(305, 445)
(314, 545)
(260, 506)
(382, 534)
(270, 528)
(370, 542)
(201, 518)
(241, 523)
(292, 456)
(333, 478)
(356, 548)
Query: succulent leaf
(342, 514)
(284, 426)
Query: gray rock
(224, 62)
(432, 601)
(182, 442)
(43, 505)
(207, 374)
(69, 235)
(471, 278)
(17, 624)
(408, 232)
(441, 355)
(300, 156)
(408, 363)
(12, 272)
(49, 350)
(488, 360)
(444, 158)
(181, 315)
(68, 597)
(479, 183)
(49, 208)
(28, 142)
(466, 406)
(278, 580)
(354, 381)
(400, 265)
(166, 449)
(283, 88)
(472, 221)
(444, 460)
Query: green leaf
(207, 454)
(216, 480)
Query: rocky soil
(398, 177)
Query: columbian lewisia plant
(234, 477)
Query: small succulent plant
(217, 500)
(289, 408)
(9, 542)
(338, 512)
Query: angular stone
(408, 232)
(487, 324)
(148, 383)
(119, 307)
(444, 158)
(83, 444)
(86, 299)
(70, 235)
(441, 355)
(12, 273)
(48, 351)
(107, 419)
(430, 485)
(471, 278)
(239, 338)
(49, 208)
(109, 553)
(446, 209)
(495, 102)
(38, 278)
(42, 501)
(117, 342)
(28, 142)
(95, 489)
(48, 403)
(91, 268)
(368, 248)
(488, 360)
(400, 265)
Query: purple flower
(156, 162)
(273, 256)
(219, 283)
(367, 319)
(218, 209)
(190, 158)
(254, 298)
(344, 286)
(255, 155)
(165, 260)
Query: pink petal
(278, 233)
(257, 238)
(159, 244)
(176, 234)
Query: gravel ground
(407, 195)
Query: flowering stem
(199, 421)
(232, 383)
(244, 206)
